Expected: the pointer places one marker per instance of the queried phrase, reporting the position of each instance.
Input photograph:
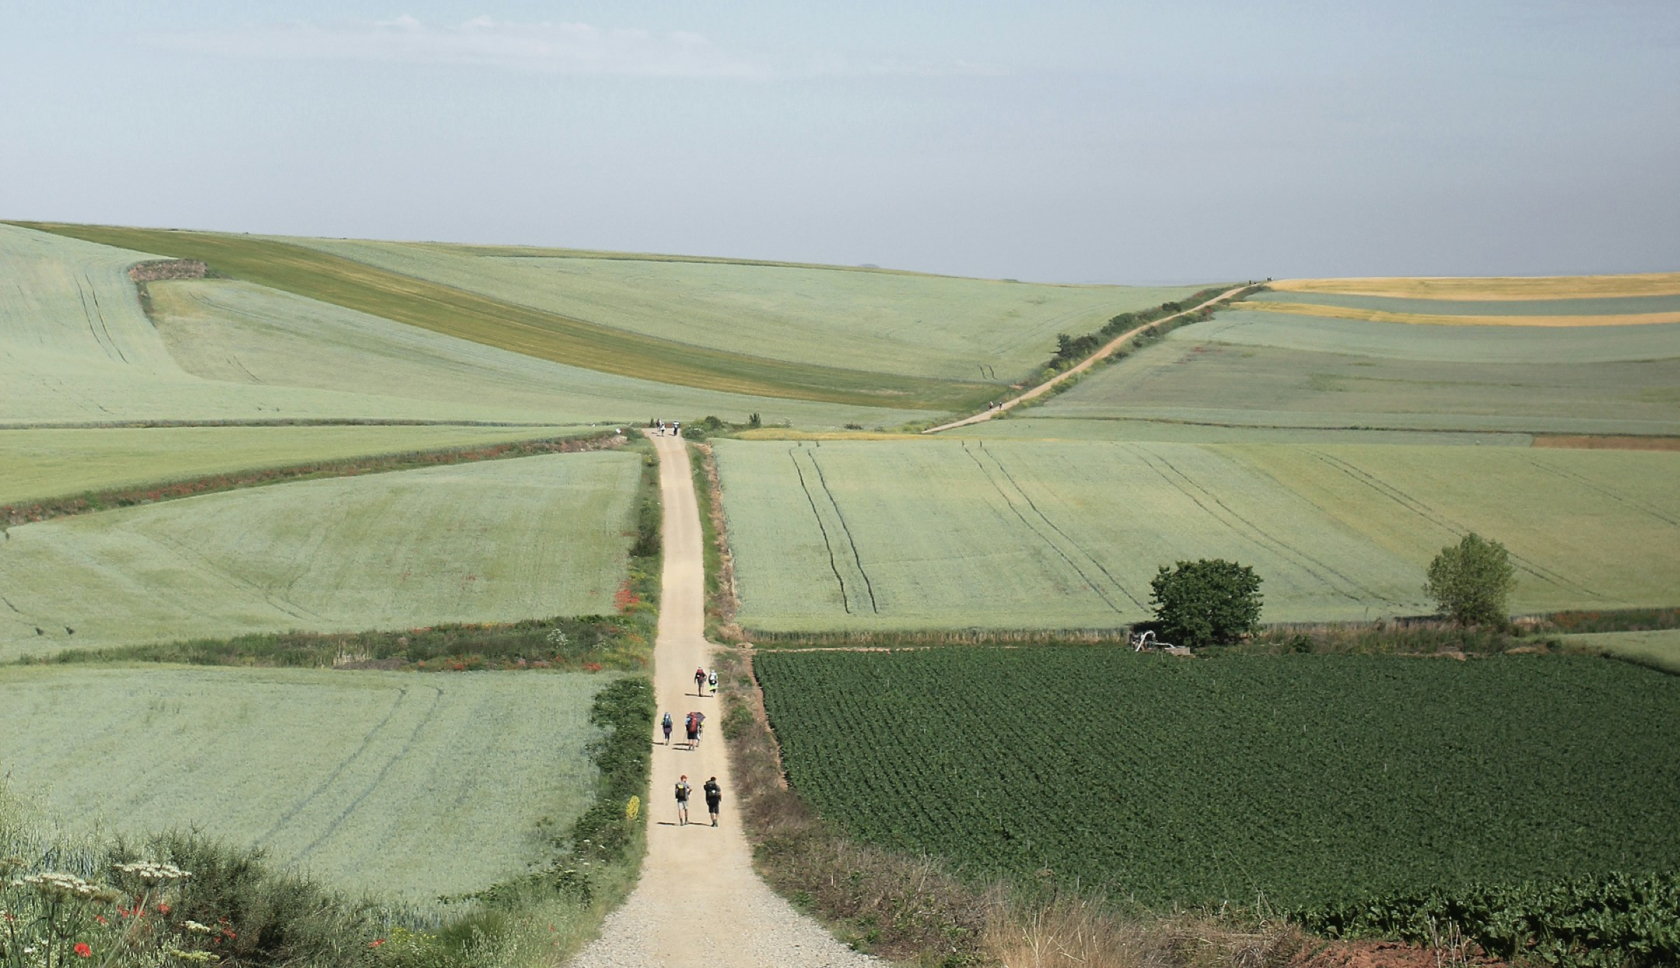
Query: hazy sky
(1067, 141)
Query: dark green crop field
(1307, 780)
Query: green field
(1045, 534)
(75, 348)
(37, 464)
(900, 323)
(408, 786)
(494, 541)
(1298, 780)
(243, 334)
(1267, 370)
(1660, 649)
(457, 312)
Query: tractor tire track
(93, 292)
(367, 742)
(1048, 543)
(845, 600)
(1440, 520)
(1046, 519)
(1597, 488)
(1301, 558)
(397, 757)
(856, 558)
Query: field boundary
(1108, 349)
(107, 499)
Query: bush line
(121, 497)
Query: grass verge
(723, 602)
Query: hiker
(714, 796)
(699, 682)
(692, 725)
(665, 724)
(683, 790)
(676, 428)
(711, 680)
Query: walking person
(714, 796)
(692, 725)
(665, 724)
(683, 790)
(676, 428)
(699, 682)
(711, 680)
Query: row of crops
(1305, 781)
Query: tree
(1203, 602)
(1471, 581)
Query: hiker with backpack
(699, 682)
(665, 724)
(683, 790)
(714, 796)
(692, 725)
(711, 680)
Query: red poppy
(163, 909)
(83, 950)
(376, 943)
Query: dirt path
(698, 902)
(1085, 364)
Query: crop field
(1660, 649)
(1039, 425)
(1043, 534)
(1297, 779)
(1015, 534)
(36, 464)
(495, 541)
(456, 312)
(1219, 383)
(1493, 287)
(76, 348)
(1439, 344)
(1564, 309)
(1275, 370)
(236, 332)
(1586, 529)
(892, 322)
(408, 786)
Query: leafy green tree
(1205, 602)
(1472, 580)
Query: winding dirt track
(698, 901)
(1085, 364)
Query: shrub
(1206, 602)
(1472, 580)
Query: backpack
(666, 722)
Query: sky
(1053, 140)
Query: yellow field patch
(1493, 288)
(1382, 316)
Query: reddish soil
(1606, 442)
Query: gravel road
(698, 901)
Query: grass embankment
(106, 499)
(522, 329)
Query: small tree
(1203, 602)
(1471, 581)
